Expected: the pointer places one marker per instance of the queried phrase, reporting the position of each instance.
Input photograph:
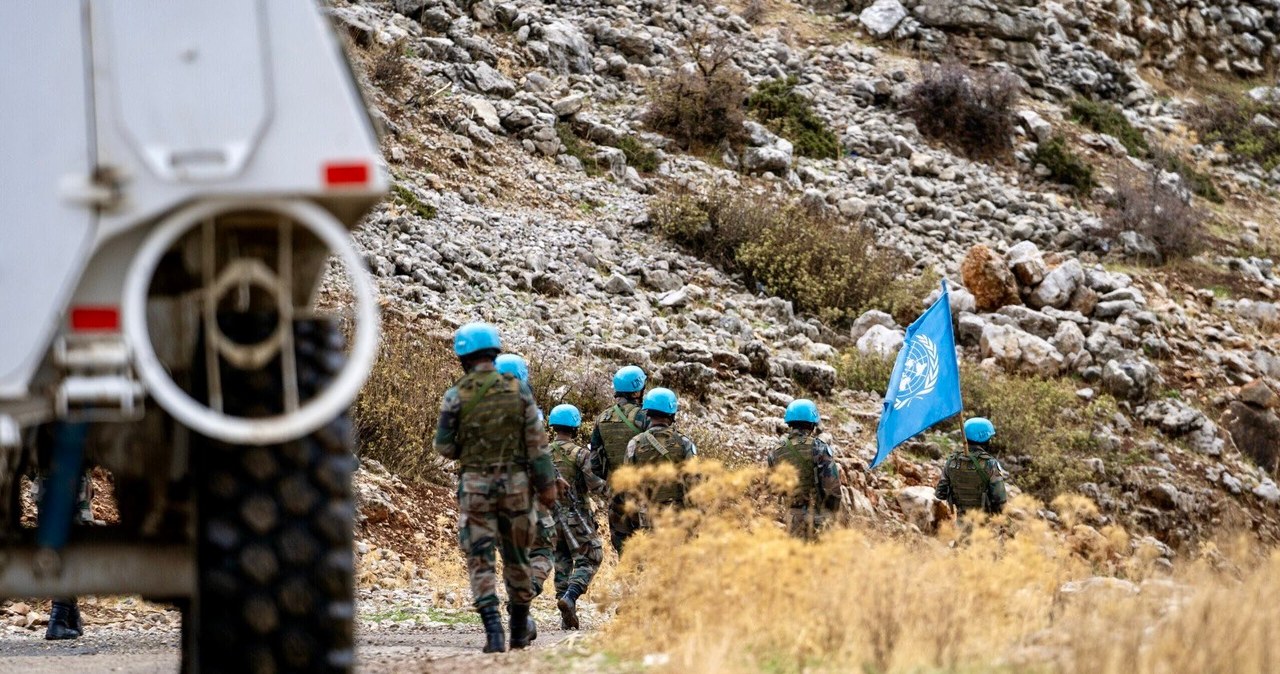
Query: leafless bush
(702, 102)
(971, 110)
(1158, 212)
(390, 68)
(754, 11)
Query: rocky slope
(496, 218)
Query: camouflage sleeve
(828, 474)
(447, 427)
(592, 482)
(541, 468)
(997, 495)
(942, 492)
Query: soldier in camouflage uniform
(578, 551)
(608, 445)
(973, 478)
(490, 424)
(662, 442)
(816, 497)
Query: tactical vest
(491, 420)
(662, 444)
(617, 426)
(969, 480)
(565, 454)
(798, 451)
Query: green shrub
(1043, 430)
(825, 266)
(1199, 183)
(576, 147)
(701, 102)
(407, 198)
(973, 111)
(790, 115)
(389, 68)
(863, 372)
(639, 154)
(1065, 166)
(1240, 127)
(1106, 118)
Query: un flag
(925, 386)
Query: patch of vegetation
(639, 154)
(578, 148)
(390, 68)
(395, 413)
(1157, 211)
(702, 102)
(1199, 183)
(1248, 129)
(1103, 117)
(824, 265)
(863, 372)
(1065, 166)
(405, 196)
(971, 110)
(790, 115)
(1043, 430)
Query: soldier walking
(816, 497)
(661, 442)
(578, 550)
(490, 424)
(973, 478)
(608, 445)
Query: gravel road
(133, 652)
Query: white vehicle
(175, 179)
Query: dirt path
(132, 652)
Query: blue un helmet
(661, 400)
(802, 410)
(629, 379)
(510, 363)
(565, 415)
(474, 337)
(979, 429)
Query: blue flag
(925, 386)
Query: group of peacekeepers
(529, 498)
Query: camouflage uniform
(973, 479)
(491, 425)
(608, 446)
(578, 555)
(660, 443)
(817, 495)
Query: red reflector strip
(346, 174)
(95, 318)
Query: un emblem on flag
(919, 373)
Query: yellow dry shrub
(720, 587)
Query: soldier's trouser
(542, 554)
(805, 522)
(578, 566)
(621, 525)
(495, 510)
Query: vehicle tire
(274, 526)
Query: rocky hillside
(1135, 373)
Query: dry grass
(395, 413)
(719, 587)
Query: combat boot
(64, 621)
(568, 605)
(519, 625)
(495, 639)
